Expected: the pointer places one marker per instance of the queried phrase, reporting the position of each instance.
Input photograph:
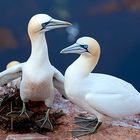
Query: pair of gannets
(39, 77)
(103, 95)
(100, 94)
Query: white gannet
(39, 77)
(15, 83)
(103, 95)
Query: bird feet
(85, 122)
(23, 112)
(46, 121)
(77, 132)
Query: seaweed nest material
(10, 101)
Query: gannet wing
(114, 105)
(11, 74)
(58, 82)
(101, 81)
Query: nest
(10, 101)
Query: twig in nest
(12, 119)
(2, 109)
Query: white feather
(100, 94)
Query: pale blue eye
(85, 47)
(45, 24)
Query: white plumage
(15, 83)
(100, 94)
(39, 77)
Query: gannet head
(11, 64)
(84, 45)
(41, 23)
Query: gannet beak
(54, 23)
(59, 23)
(75, 48)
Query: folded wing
(114, 105)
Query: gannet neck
(83, 65)
(39, 52)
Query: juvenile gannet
(39, 77)
(103, 95)
(15, 83)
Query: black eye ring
(45, 24)
(85, 47)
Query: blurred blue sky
(113, 23)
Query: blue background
(113, 23)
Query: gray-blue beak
(75, 48)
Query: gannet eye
(45, 24)
(85, 47)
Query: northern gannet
(39, 77)
(103, 95)
(15, 83)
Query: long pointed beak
(75, 48)
(54, 23)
